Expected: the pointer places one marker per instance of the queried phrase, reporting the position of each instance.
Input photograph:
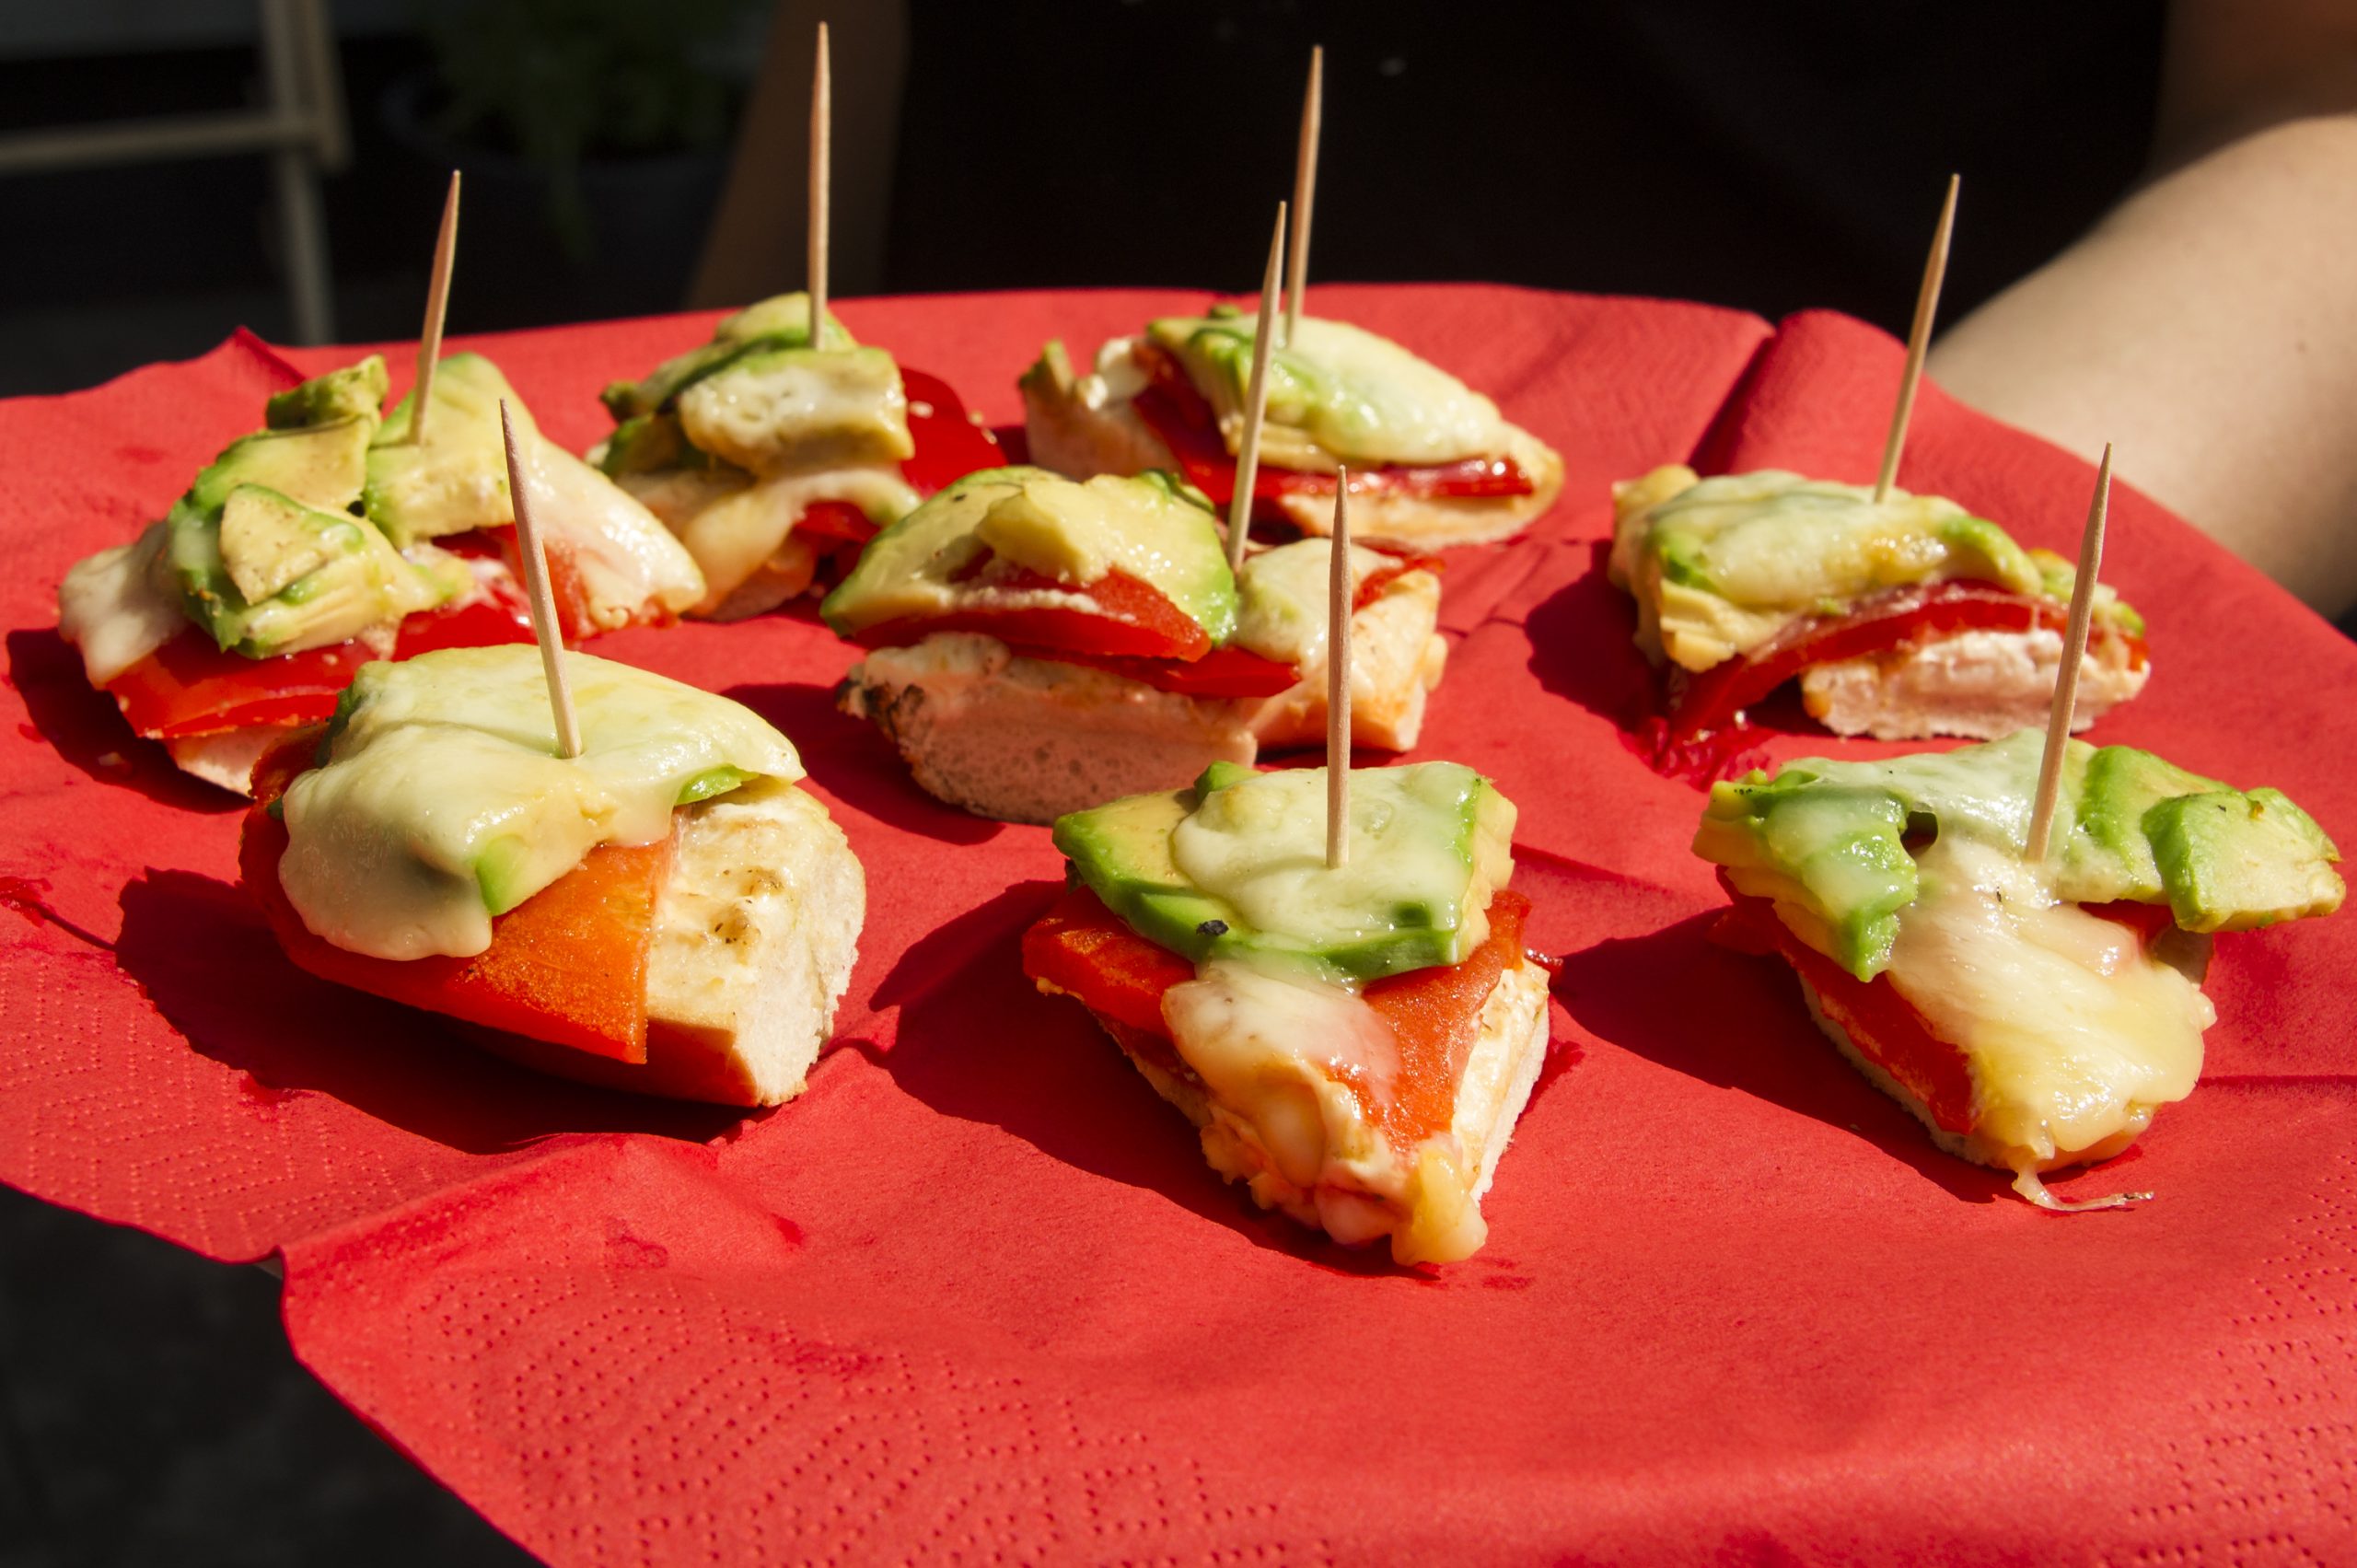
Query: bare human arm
(2208, 324)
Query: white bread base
(1075, 439)
(2024, 1165)
(227, 758)
(755, 934)
(1430, 1210)
(1981, 684)
(1026, 740)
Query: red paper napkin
(976, 1294)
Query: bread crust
(1981, 684)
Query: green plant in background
(557, 82)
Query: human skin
(2208, 324)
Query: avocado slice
(357, 392)
(1227, 870)
(1154, 527)
(2233, 861)
(458, 480)
(322, 465)
(267, 574)
(2120, 786)
(776, 408)
(648, 443)
(780, 321)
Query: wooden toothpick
(535, 587)
(821, 162)
(1338, 596)
(1918, 339)
(1256, 399)
(2066, 678)
(437, 303)
(1305, 188)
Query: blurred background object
(1765, 157)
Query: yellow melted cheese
(2073, 1032)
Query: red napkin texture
(976, 1294)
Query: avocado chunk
(322, 465)
(1831, 842)
(268, 574)
(1234, 867)
(780, 321)
(1152, 528)
(648, 443)
(793, 408)
(2235, 862)
(458, 480)
(357, 392)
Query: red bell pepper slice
(1133, 619)
(568, 965)
(949, 445)
(1176, 412)
(1710, 699)
(1083, 949)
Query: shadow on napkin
(88, 731)
(1676, 998)
(976, 1040)
(201, 952)
(852, 761)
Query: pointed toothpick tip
(1256, 399)
(1919, 341)
(1304, 187)
(437, 306)
(538, 593)
(1339, 594)
(2066, 674)
(821, 183)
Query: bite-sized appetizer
(1432, 462)
(1041, 645)
(2032, 1015)
(1354, 1045)
(771, 458)
(1902, 621)
(330, 538)
(665, 912)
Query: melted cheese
(2073, 1032)
(443, 801)
(735, 535)
(790, 409)
(628, 564)
(117, 608)
(1283, 598)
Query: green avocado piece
(2233, 861)
(792, 407)
(458, 480)
(1830, 840)
(504, 871)
(648, 443)
(782, 322)
(357, 392)
(1227, 869)
(1156, 528)
(267, 574)
(322, 465)
(712, 783)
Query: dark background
(1766, 156)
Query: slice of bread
(1981, 684)
(755, 936)
(1431, 1207)
(226, 758)
(1396, 658)
(1026, 740)
(1073, 437)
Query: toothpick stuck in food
(1256, 399)
(438, 305)
(1305, 188)
(535, 585)
(822, 94)
(2066, 676)
(1339, 597)
(1919, 340)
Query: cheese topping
(117, 608)
(2074, 1031)
(794, 408)
(627, 562)
(1720, 565)
(443, 802)
(1337, 394)
(1282, 597)
(733, 536)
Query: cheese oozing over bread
(441, 800)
